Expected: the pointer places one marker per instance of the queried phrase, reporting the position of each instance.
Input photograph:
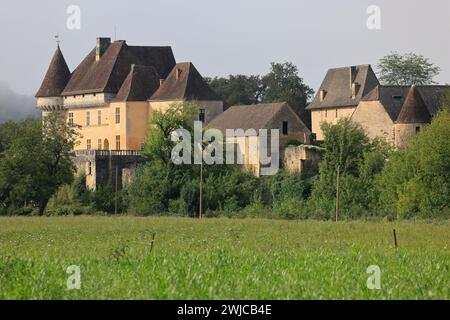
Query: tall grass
(181, 258)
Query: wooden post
(337, 193)
(115, 200)
(395, 239)
(201, 189)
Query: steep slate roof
(391, 97)
(56, 78)
(140, 84)
(394, 100)
(257, 116)
(108, 74)
(337, 85)
(189, 85)
(432, 96)
(414, 109)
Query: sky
(224, 37)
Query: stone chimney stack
(102, 45)
(352, 75)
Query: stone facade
(298, 158)
(100, 166)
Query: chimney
(161, 81)
(322, 93)
(355, 88)
(177, 73)
(352, 75)
(100, 48)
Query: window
(417, 129)
(88, 119)
(70, 119)
(285, 128)
(336, 113)
(89, 168)
(117, 115)
(99, 117)
(326, 113)
(88, 144)
(99, 144)
(201, 115)
(117, 142)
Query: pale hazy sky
(225, 37)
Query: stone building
(247, 120)
(110, 95)
(339, 94)
(392, 112)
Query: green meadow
(128, 257)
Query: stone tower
(49, 97)
(412, 118)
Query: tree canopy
(282, 83)
(408, 69)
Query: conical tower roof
(414, 109)
(56, 78)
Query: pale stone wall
(297, 159)
(373, 118)
(330, 115)
(404, 132)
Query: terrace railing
(107, 153)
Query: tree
(416, 180)
(283, 83)
(360, 161)
(238, 89)
(407, 69)
(37, 162)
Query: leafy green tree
(416, 180)
(37, 162)
(283, 83)
(407, 69)
(238, 89)
(347, 147)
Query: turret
(49, 94)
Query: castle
(394, 113)
(112, 92)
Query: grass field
(221, 259)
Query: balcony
(107, 153)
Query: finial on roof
(57, 39)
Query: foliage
(416, 180)
(359, 161)
(282, 83)
(36, 161)
(407, 69)
(238, 89)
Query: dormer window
(322, 94)
(177, 73)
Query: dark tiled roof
(391, 97)
(337, 85)
(108, 74)
(257, 116)
(140, 84)
(414, 109)
(56, 78)
(185, 82)
(432, 96)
